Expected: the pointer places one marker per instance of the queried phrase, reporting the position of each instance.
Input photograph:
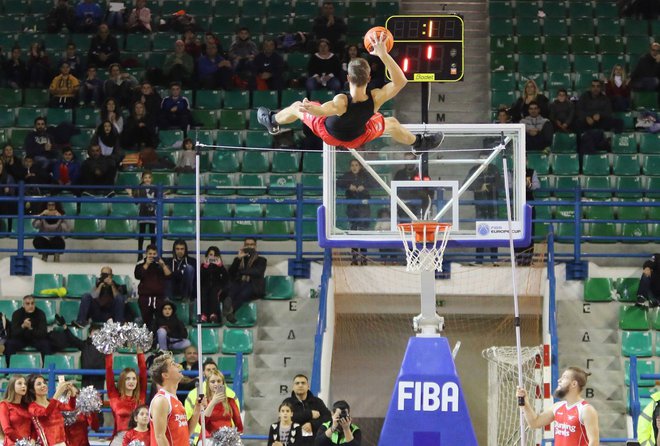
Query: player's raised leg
(272, 120)
(419, 143)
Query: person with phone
(221, 411)
(246, 279)
(214, 278)
(46, 413)
(339, 430)
(152, 272)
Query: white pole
(516, 311)
(198, 291)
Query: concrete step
(576, 313)
(288, 312)
(267, 362)
(284, 334)
(299, 346)
(597, 337)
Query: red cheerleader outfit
(131, 435)
(16, 422)
(123, 406)
(220, 418)
(76, 434)
(49, 421)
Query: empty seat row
(578, 27)
(565, 232)
(552, 9)
(633, 211)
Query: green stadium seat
(554, 9)
(301, 22)
(642, 99)
(592, 212)
(611, 45)
(565, 186)
(62, 361)
(502, 81)
(607, 62)
(81, 140)
(36, 97)
(502, 62)
(69, 309)
(598, 182)
(265, 98)
(59, 115)
(633, 232)
(121, 362)
(322, 96)
(528, 27)
(237, 340)
(312, 185)
(580, 9)
(119, 228)
(138, 42)
(624, 143)
(598, 289)
(649, 143)
(629, 187)
(651, 165)
(530, 45)
(210, 343)
(626, 165)
(626, 289)
(501, 26)
(558, 63)
(540, 162)
(286, 162)
(236, 99)
(555, 27)
(26, 116)
(277, 230)
(606, 9)
(86, 118)
(501, 98)
(94, 208)
(636, 45)
(183, 209)
(282, 185)
(219, 184)
(258, 139)
(181, 228)
(644, 367)
(127, 179)
(8, 118)
(279, 287)
(255, 161)
(653, 187)
(566, 164)
(225, 161)
(227, 364)
(46, 281)
(232, 120)
(7, 307)
(253, 21)
(163, 178)
(169, 138)
(309, 227)
(582, 26)
(596, 164)
(25, 361)
(635, 27)
(632, 317)
(164, 41)
(587, 66)
(249, 210)
(48, 307)
(251, 185)
(276, 25)
(86, 228)
(502, 44)
(564, 143)
(558, 80)
(636, 343)
(244, 228)
(602, 230)
(312, 162)
(205, 119)
(527, 10)
(79, 284)
(208, 99)
(637, 212)
(10, 97)
(530, 64)
(360, 9)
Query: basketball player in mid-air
(576, 421)
(351, 120)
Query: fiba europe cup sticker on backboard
(496, 230)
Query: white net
(424, 254)
(503, 410)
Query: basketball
(375, 33)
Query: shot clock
(428, 48)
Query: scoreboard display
(428, 48)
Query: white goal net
(503, 410)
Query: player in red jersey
(169, 424)
(576, 421)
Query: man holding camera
(246, 275)
(106, 301)
(152, 272)
(339, 430)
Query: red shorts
(372, 130)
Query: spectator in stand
(308, 410)
(90, 357)
(350, 52)
(328, 26)
(88, 16)
(106, 301)
(139, 19)
(97, 170)
(110, 111)
(91, 88)
(140, 129)
(107, 139)
(61, 16)
(213, 70)
(139, 427)
(179, 66)
(221, 410)
(594, 111)
(356, 184)
(38, 67)
(8, 188)
(211, 39)
(268, 67)
(147, 210)
(324, 69)
(562, 112)
(66, 171)
(530, 93)
(247, 279)
(103, 49)
(377, 72)
(150, 98)
(38, 145)
(191, 359)
(12, 164)
(46, 414)
(170, 331)
(64, 88)
(192, 44)
(28, 329)
(214, 279)
(129, 392)
(242, 53)
(152, 273)
(186, 162)
(285, 431)
(175, 110)
(50, 222)
(15, 420)
(646, 75)
(74, 60)
(34, 174)
(617, 89)
(183, 270)
(648, 292)
(486, 188)
(15, 70)
(538, 130)
(119, 85)
(503, 117)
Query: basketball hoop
(425, 243)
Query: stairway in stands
(460, 102)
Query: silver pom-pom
(70, 417)
(89, 401)
(136, 443)
(227, 436)
(23, 442)
(139, 337)
(108, 339)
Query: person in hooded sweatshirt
(170, 332)
(214, 278)
(182, 280)
(649, 284)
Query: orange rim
(425, 230)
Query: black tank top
(351, 124)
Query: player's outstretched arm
(533, 419)
(336, 107)
(590, 420)
(399, 80)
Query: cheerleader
(285, 432)
(139, 426)
(47, 414)
(129, 393)
(220, 411)
(14, 417)
(77, 431)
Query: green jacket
(335, 435)
(646, 430)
